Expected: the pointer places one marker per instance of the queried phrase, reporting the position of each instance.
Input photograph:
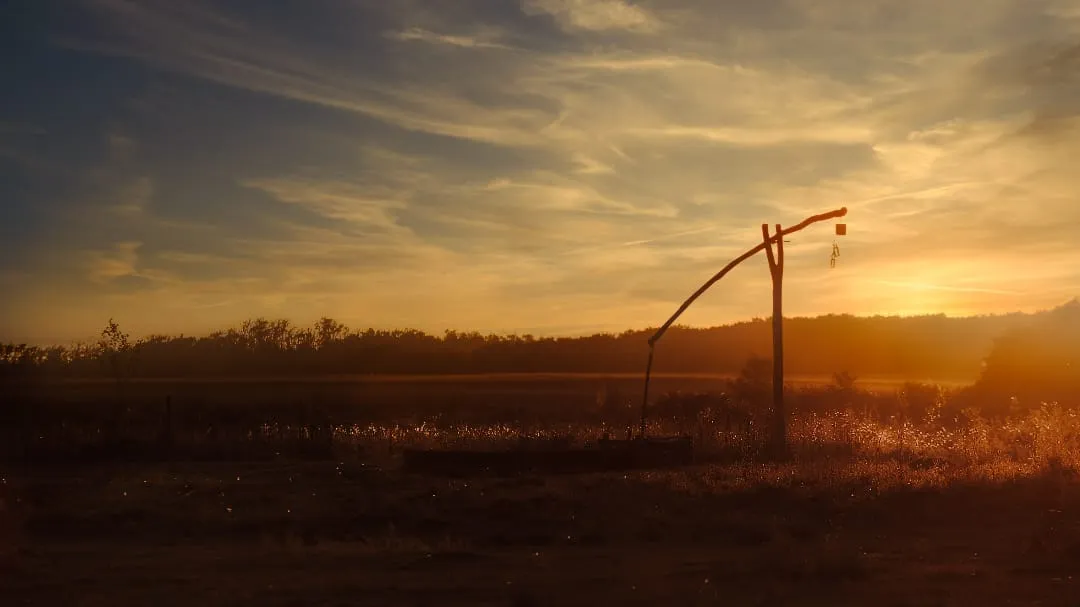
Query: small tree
(754, 381)
(115, 347)
(328, 330)
(844, 382)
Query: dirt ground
(851, 533)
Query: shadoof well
(637, 452)
(778, 434)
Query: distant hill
(921, 348)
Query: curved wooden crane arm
(747, 255)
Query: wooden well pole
(776, 268)
(778, 438)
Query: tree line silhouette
(1027, 373)
(932, 347)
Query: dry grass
(870, 505)
(975, 445)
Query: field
(411, 394)
(872, 507)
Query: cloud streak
(417, 34)
(212, 46)
(594, 15)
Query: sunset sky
(543, 166)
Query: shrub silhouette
(1034, 363)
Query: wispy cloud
(634, 243)
(594, 15)
(335, 200)
(116, 262)
(543, 159)
(132, 197)
(550, 192)
(417, 34)
(758, 137)
(210, 45)
(633, 62)
(918, 286)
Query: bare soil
(282, 533)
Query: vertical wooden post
(776, 269)
(779, 410)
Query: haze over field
(543, 166)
